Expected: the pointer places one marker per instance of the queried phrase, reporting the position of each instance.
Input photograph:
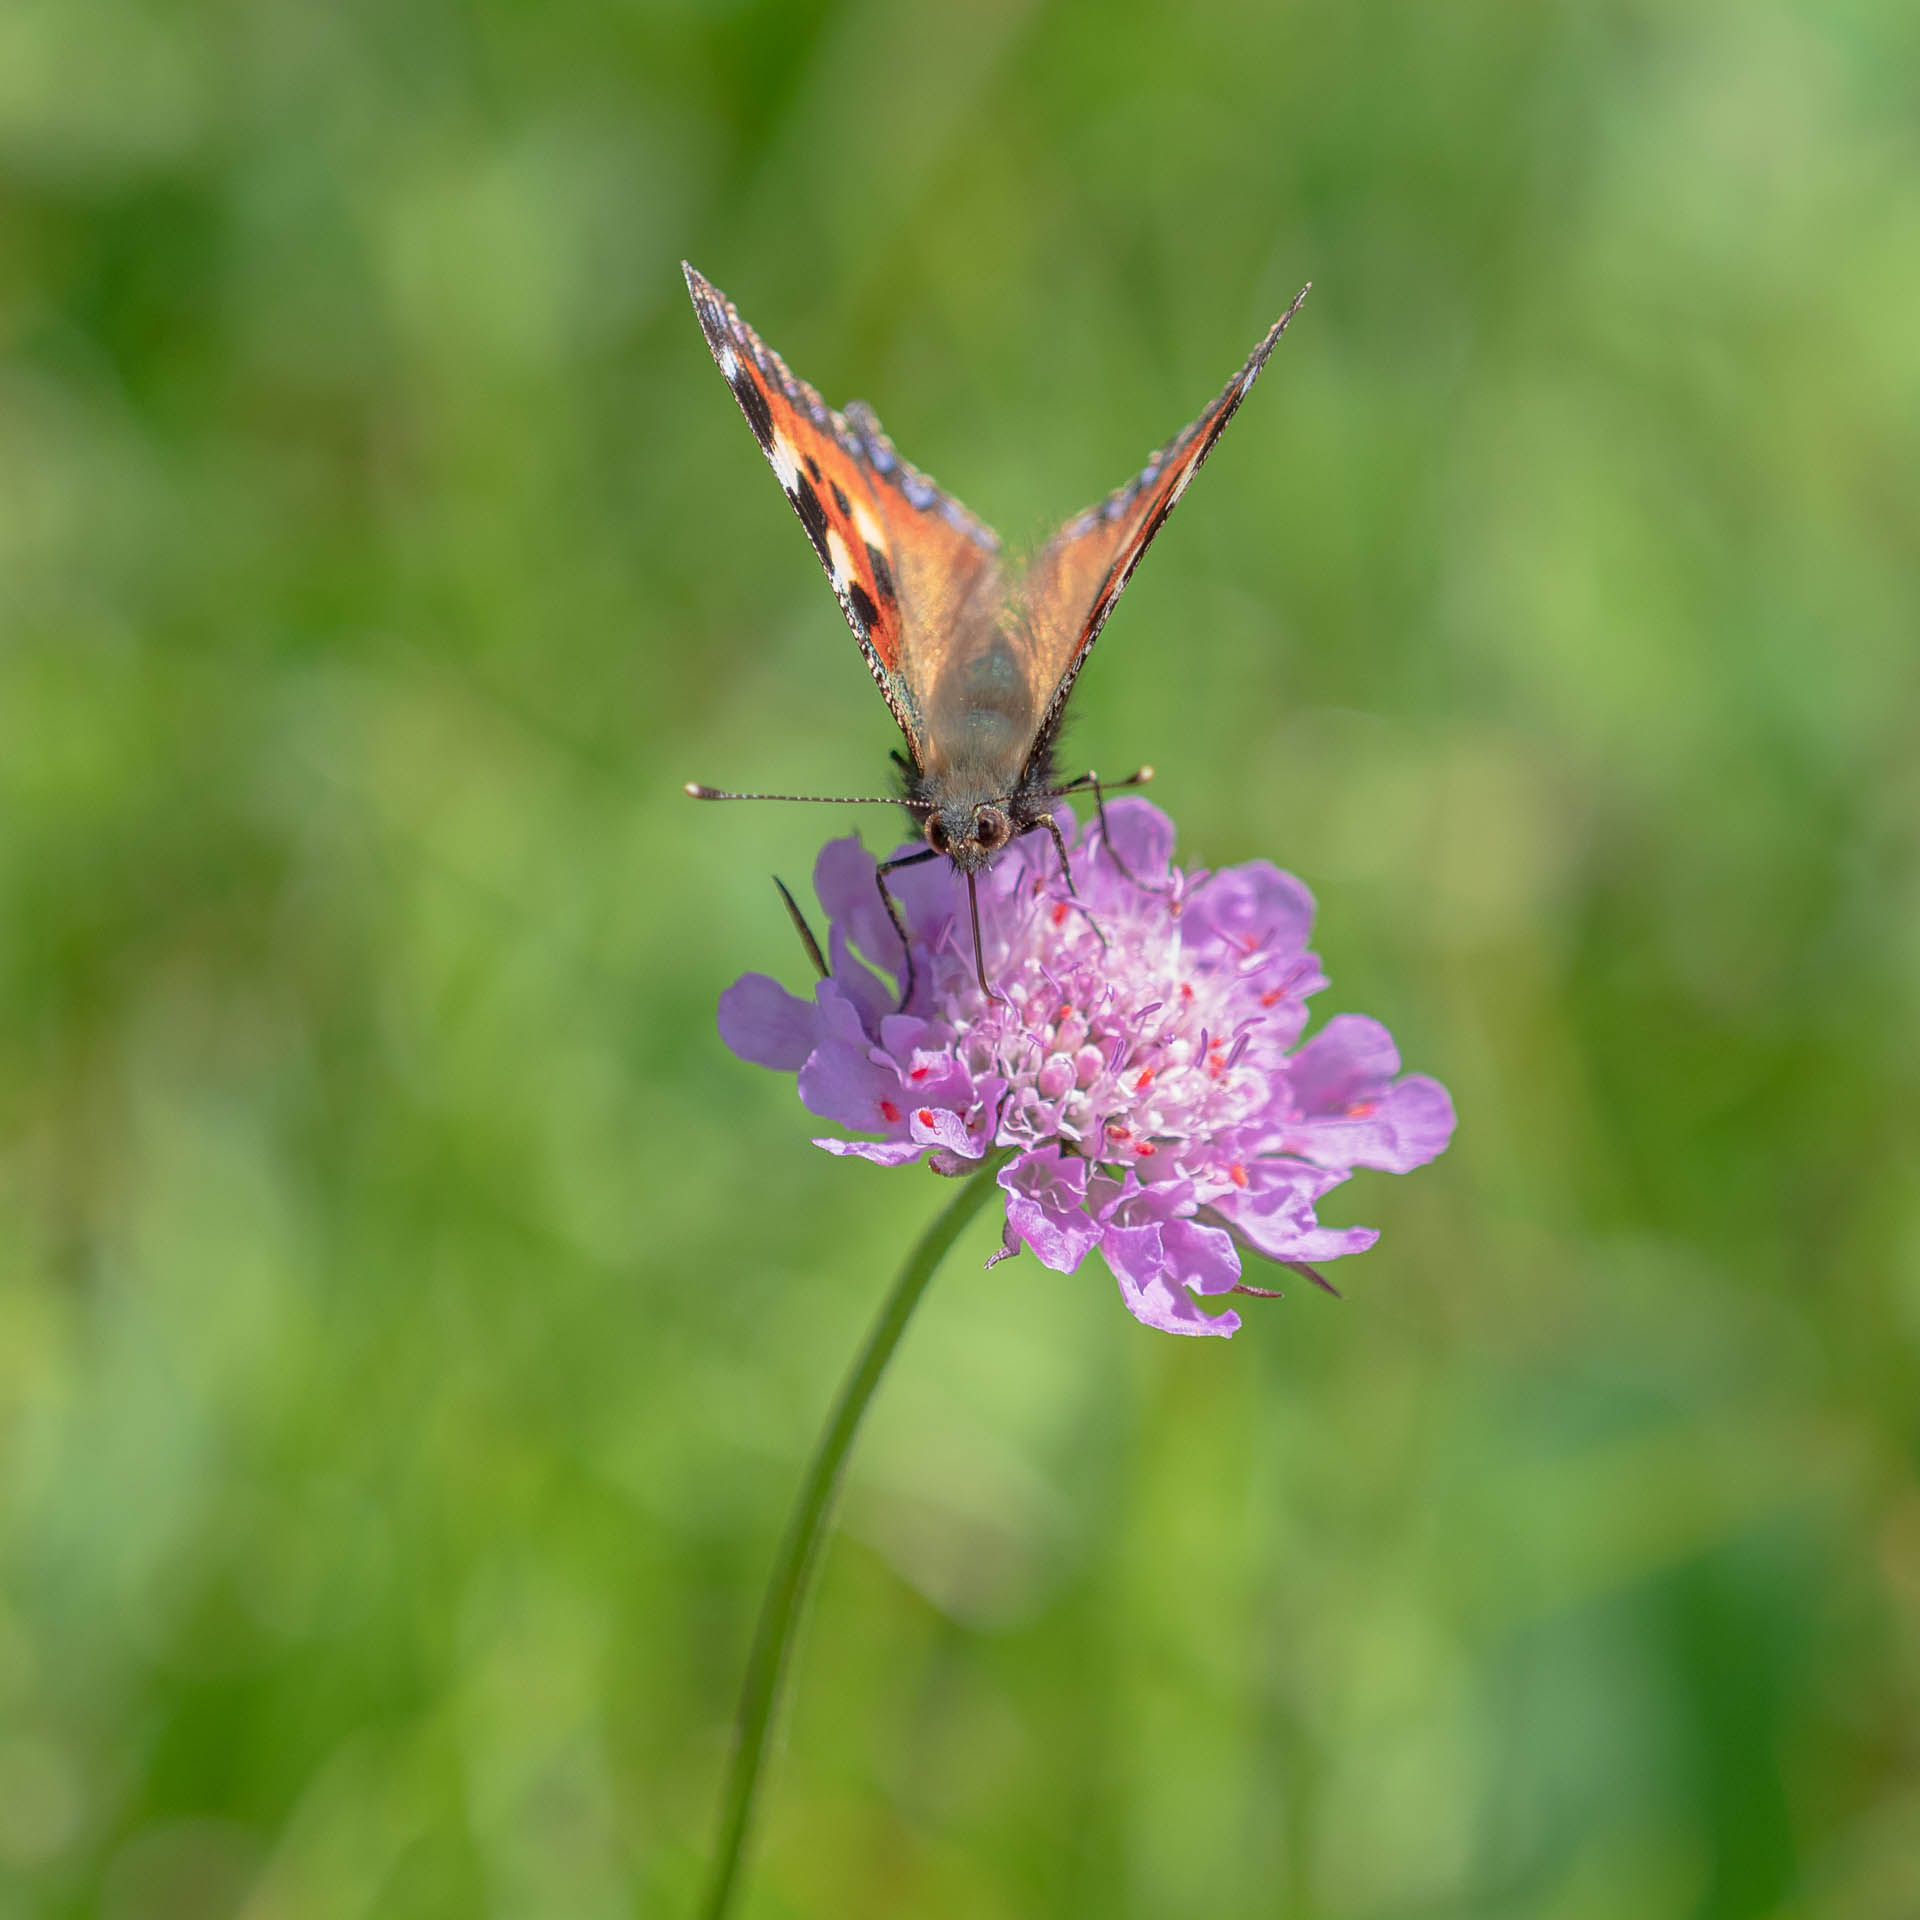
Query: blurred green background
(412, 1321)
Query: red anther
(925, 1116)
(1273, 996)
(1364, 1111)
(1059, 912)
(1186, 992)
(1115, 1131)
(889, 1113)
(919, 1073)
(1145, 1150)
(1237, 1174)
(1143, 1080)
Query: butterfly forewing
(911, 567)
(1074, 581)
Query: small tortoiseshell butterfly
(975, 660)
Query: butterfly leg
(800, 927)
(893, 909)
(1106, 832)
(1060, 847)
(1066, 873)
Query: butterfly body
(974, 659)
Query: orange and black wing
(906, 561)
(1077, 577)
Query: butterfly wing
(906, 561)
(1077, 577)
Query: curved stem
(799, 1556)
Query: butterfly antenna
(800, 927)
(698, 792)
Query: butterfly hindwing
(1074, 581)
(905, 560)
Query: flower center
(1111, 1037)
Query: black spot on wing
(813, 516)
(861, 603)
(840, 499)
(813, 467)
(882, 573)
(753, 403)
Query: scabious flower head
(1140, 1054)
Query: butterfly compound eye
(993, 828)
(936, 833)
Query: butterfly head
(969, 833)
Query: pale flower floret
(1140, 1054)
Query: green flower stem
(794, 1570)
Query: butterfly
(974, 657)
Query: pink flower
(1140, 1055)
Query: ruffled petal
(885, 1153)
(1044, 1192)
(1274, 1213)
(1137, 1257)
(942, 1127)
(1203, 1258)
(936, 1080)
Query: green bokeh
(412, 1321)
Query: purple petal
(866, 990)
(762, 1022)
(1203, 1258)
(841, 1079)
(901, 1034)
(1049, 1176)
(939, 1080)
(942, 1127)
(1142, 836)
(1135, 1205)
(885, 1153)
(930, 895)
(840, 1083)
(1405, 1127)
(1044, 1191)
(1350, 1059)
(1274, 1212)
(1253, 909)
(843, 878)
(1137, 1257)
